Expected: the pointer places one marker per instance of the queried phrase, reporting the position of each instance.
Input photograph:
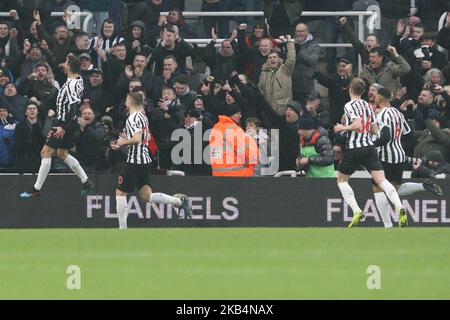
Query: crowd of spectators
(272, 72)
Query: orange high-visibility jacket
(233, 153)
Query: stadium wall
(217, 202)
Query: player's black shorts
(393, 172)
(134, 175)
(67, 142)
(353, 159)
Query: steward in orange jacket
(233, 153)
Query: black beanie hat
(306, 122)
(232, 109)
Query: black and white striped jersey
(139, 153)
(393, 152)
(70, 93)
(359, 109)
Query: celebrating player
(136, 171)
(61, 139)
(392, 127)
(360, 125)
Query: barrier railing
(373, 15)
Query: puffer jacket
(323, 147)
(276, 85)
(389, 75)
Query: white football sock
(349, 196)
(164, 198)
(75, 166)
(44, 169)
(122, 211)
(392, 194)
(383, 208)
(410, 188)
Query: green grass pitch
(225, 263)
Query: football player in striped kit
(136, 171)
(360, 126)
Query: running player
(136, 170)
(360, 125)
(61, 139)
(393, 127)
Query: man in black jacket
(90, 141)
(337, 84)
(101, 97)
(137, 70)
(163, 121)
(223, 62)
(30, 139)
(171, 45)
(41, 86)
(289, 143)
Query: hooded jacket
(106, 44)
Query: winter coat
(251, 55)
(276, 85)
(45, 91)
(90, 144)
(305, 66)
(433, 138)
(221, 66)
(30, 139)
(105, 43)
(163, 123)
(288, 138)
(181, 51)
(59, 50)
(16, 105)
(337, 91)
(389, 74)
(147, 80)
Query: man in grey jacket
(307, 58)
